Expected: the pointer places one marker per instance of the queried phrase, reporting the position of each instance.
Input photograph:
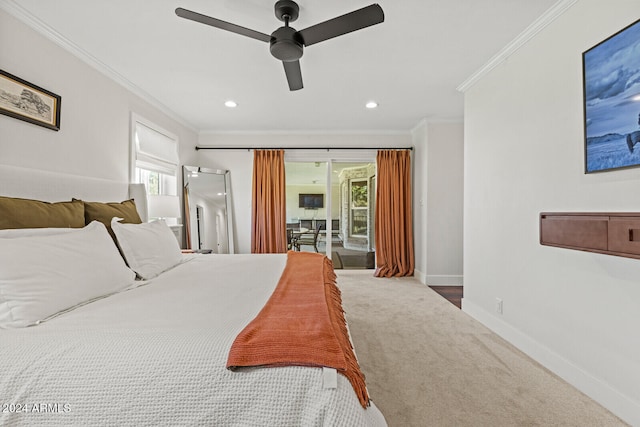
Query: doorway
(330, 207)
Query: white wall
(575, 312)
(438, 212)
(95, 111)
(240, 162)
(419, 171)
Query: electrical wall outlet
(498, 305)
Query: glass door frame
(337, 156)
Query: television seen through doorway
(333, 216)
(311, 201)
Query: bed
(154, 348)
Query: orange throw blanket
(301, 324)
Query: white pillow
(44, 275)
(149, 248)
(11, 233)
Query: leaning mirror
(207, 207)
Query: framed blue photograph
(611, 86)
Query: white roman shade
(155, 151)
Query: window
(156, 159)
(359, 207)
(157, 183)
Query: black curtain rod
(303, 148)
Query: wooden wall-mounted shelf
(605, 233)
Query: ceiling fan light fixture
(371, 105)
(230, 104)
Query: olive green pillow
(27, 213)
(103, 212)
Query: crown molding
(538, 25)
(22, 14)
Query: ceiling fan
(287, 44)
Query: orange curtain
(268, 210)
(394, 224)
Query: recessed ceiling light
(636, 98)
(231, 104)
(371, 104)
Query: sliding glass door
(330, 209)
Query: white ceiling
(411, 64)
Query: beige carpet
(429, 364)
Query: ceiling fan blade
(344, 24)
(223, 25)
(294, 75)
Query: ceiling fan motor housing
(286, 44)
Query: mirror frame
(186, 170)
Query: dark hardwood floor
(453, 294)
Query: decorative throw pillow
(41, 276)
(149, 248)
(103, 212)
(27, 213)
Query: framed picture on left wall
(25, 101)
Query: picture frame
(611, 94)
(25, 101)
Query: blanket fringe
(338, 320)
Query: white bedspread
(156, 355)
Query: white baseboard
(616, 402)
